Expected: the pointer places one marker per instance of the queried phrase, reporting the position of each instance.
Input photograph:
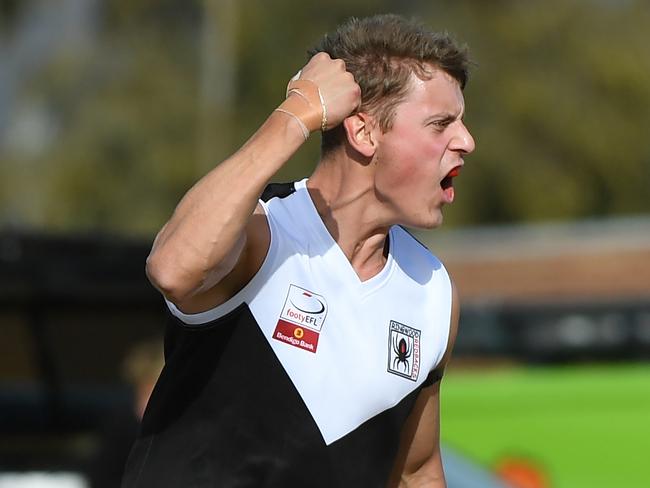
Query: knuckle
(321, 55)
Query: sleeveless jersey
(303, 378)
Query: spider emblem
(403, 352)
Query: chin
(434, 225)
(430, 222)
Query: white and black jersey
(305, 377)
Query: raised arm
(217, 237)
(419, 463)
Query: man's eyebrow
(444, 118)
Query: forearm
(208, 224)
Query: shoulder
(416, 260)
(413, 245)
(290, 218)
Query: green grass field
(586, 426)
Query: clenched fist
(322, 94)
(341, 94)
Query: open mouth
(447, 181)
(447, 184)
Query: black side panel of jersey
(225, 414)
(368, 453)
(378, 438)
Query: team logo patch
(302, 318)
(403, 350)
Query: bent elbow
(166, 277)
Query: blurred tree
(126, 117)
(559, 105)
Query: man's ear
(360, 133)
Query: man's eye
(439, 125)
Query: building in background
(552, 292)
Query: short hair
(381, 52)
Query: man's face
(417, 158)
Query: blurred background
(111, 109)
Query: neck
(343, 192)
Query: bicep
(241, 265)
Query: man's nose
(463, 140)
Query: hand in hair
(341, 94)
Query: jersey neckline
(325, 238)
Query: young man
(312, 328)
